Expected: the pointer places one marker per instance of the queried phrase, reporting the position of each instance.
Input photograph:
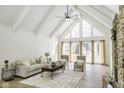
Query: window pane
(86, 51)
(75, 31)
(75, 50)
(86, 29)
(96, 32)
(98, 52)
(65, 49)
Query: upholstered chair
(65, 58)
(80, 64)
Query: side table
(8, 74)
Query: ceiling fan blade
(65, 14)
(60, 17)
(73, 18)
(74, 15)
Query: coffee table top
(50, 67)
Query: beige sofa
(27, 67)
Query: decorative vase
(6, 63)
(8, 73)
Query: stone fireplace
(117, 76)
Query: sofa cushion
(80, 61)
(34, 67)
(18, 63)
(32, 61)
(26, 63)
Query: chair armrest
(21, 71)
(22, 66)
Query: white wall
(22, 44)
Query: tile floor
(92, 78)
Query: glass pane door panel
(75, 50)
(98, 52)
(66, 49)
(86, 51)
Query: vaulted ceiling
(41, 19)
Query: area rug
(68, 79)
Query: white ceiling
(42, 18)
(9, 14)
(33, 17)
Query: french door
(93, 50)
(98, 52)
(75, 50)
(86, 50)
(66, 49)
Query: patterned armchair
(65, 58)
(80, 64)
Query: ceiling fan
(67, 15)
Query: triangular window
(75, 31)
(86, 29)
(97, 32)
(67, 36)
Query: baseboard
(98, 64)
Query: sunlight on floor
(93, 76)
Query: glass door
(66, 49)
(75, 50)
(98, 52)
(93, 50)
(86, 50)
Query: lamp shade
(46, 54)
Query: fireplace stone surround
(117, 75)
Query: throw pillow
(32, 62)
(63, 60)
(18, 63)
(38, 61)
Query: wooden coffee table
(52, 69)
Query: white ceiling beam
(56, 28)
(69, 28)
(105, 21)
(21, 18)
(36, 30)
(100, 26)
(103, 11)
(114, 8)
